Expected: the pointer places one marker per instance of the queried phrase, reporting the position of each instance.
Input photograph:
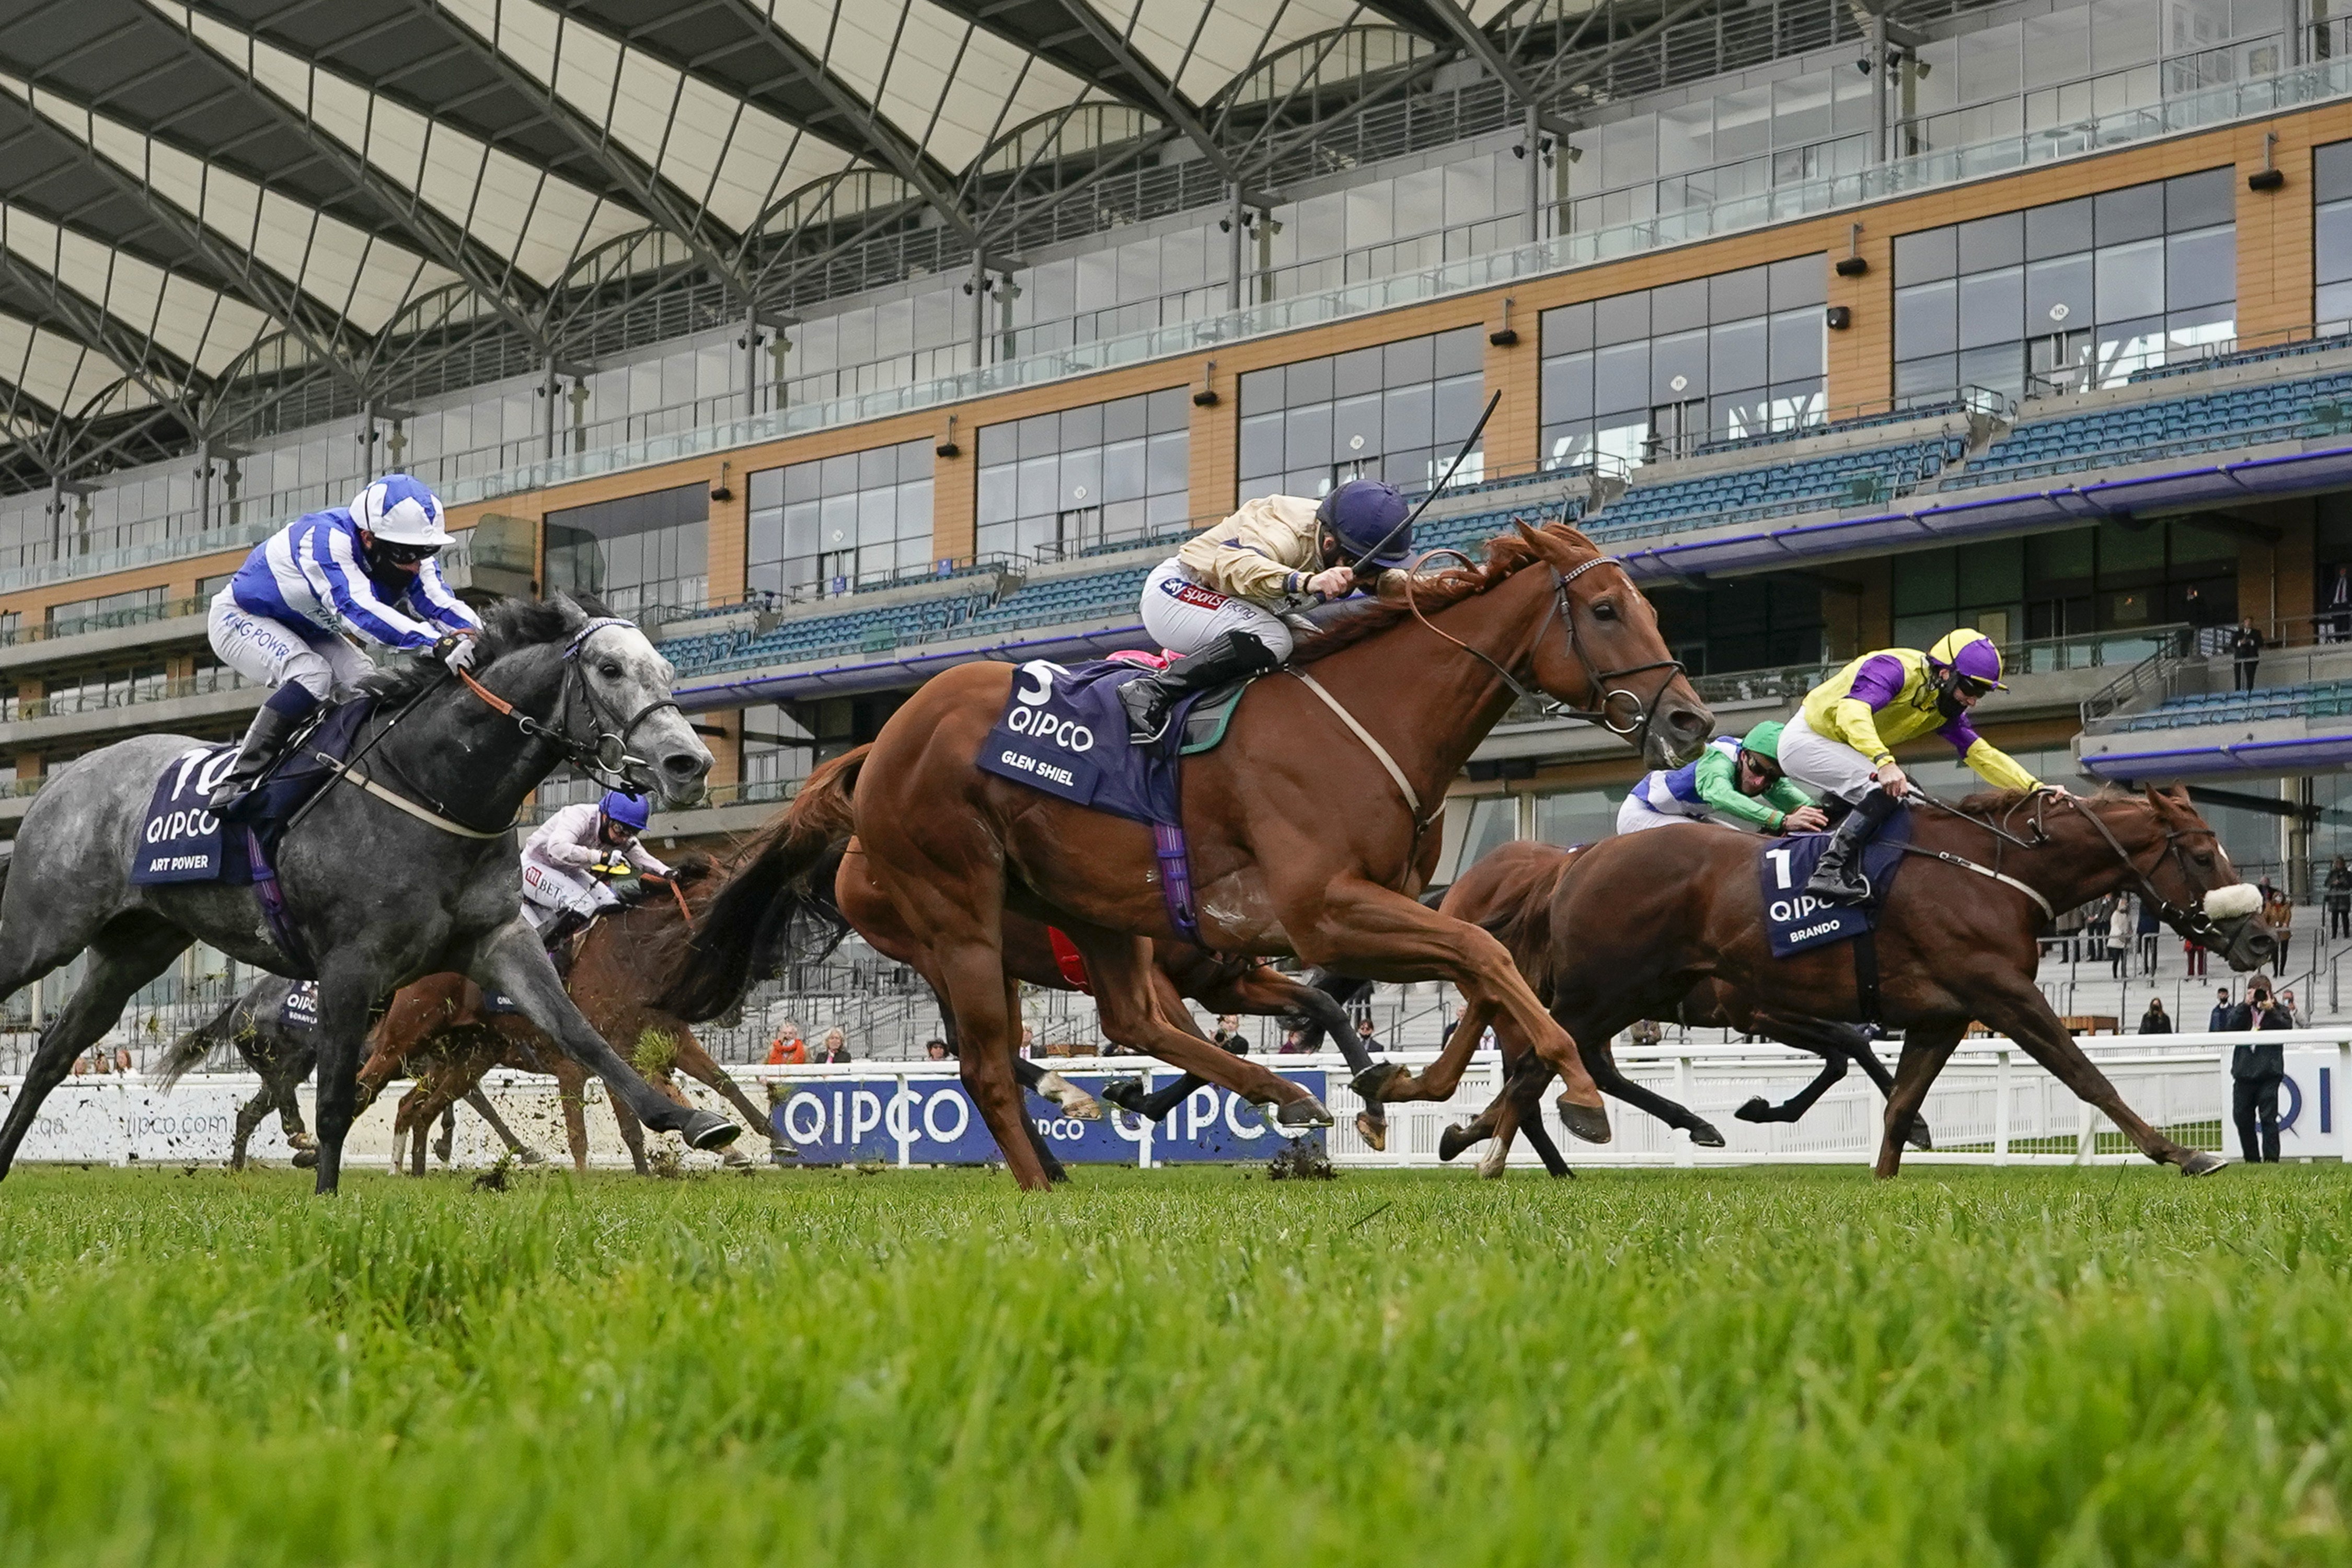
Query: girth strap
(402, 802)
(1404, 784)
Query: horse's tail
(182, 1056)
(771, 909)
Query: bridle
(1597, 679)
(607, 759)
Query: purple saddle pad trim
(1176, 878)
(273, 910)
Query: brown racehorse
(615, 975)
(1510, 893)
(1302, 841)
(1640, 920)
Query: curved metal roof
(208, 205)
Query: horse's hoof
(1590, 1122)
(1919, 1139)
(306, 1159)
(1127, 1094)
(1758, 1109)
(1298, 1116)
(2202, 1163)
(302, 1141)
(1373, 1130)
(736, 1160)
(705, 1129)
(530, 1157)
(1376, 1077)
(781, 1152)
(1705, 1136)
(1074, 1101)
(1496, 1163)
(1456, 1138)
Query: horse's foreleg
(511, 960)
(2016, 1008)
(633, 1134)
(1264, 991)
(118, 966)
(1441, 1077)
(571, 1092)
(249, 1116)
(482, 1107)
(1926, 1049)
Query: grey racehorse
(413, 873)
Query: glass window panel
(802, 524)
(1989, 63)
(837, 474)
(1168, 409)
(2057, 293)
(1568, 387)
(1310, 380)
(1937, 376)
(1620, 318)
(1408, 416)
(1460, 353)
(2332, 242)
(1356, 427)
(2057, 47)
(1678, 307)
(1082, 478)
(1165, 463)
(1459, 402)
(1679, 358)
(1799, 280)
(880, 467)
(1924, 318)
(1041, 434)
(1261, 444)
(2199, 201)
(1743, 123)
(999, 494)
(1797, 346)
(2058, 228)
(837, 521)
(1686, 137)
(1123, 420)
(1621, 377)
(1402, 364)
(1082, 426)
(2332, 307)
(1567, 446)
(1801, 110)
(1737, 356)
(2123, 33)
(2133, 213)
(2201, 269)
(1733, 295)
(1999, 367)
(2130, 280)
(2331, 171)
(1926, 256)
(1306, 437)
(1261, 390)
(1569, 327)
(1991, 242)
(1354, 372)
(1992, 306)
(1040, 482)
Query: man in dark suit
(2224, 1016)
(2256, 1071)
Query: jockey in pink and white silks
(366, 569)
(1218, 602)
(562, 890)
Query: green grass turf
(1187, 1368)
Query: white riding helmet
(401, 511)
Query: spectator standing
(1228, 1037)
(122, 1055)
(935, 1050)
(2278, 915)
(1028, 1041)
(2199, 617)
(1647, 1031)
(2296, 1018)
(837, 1047)
(2225, 1014)
(788, 1050)
(2193, 958)
(2156, 1020)
(2119, 938)
(1364, 1036)
(2339, 607)
(1292, 1044)
(2148, 928)
(2338, 889)
(2245, 652)
(2256, 1071)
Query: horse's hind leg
(633, 1133)
(129, 953)
(572, 1091)
(482, 1107)
(249, 1116)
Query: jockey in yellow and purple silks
(1842, 740)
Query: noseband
(2191, 923)
(1596, 679)
(607, 758)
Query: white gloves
(457, 652)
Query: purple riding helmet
(1967, 656)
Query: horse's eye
(1603, 610)
(609, 670)
(2203, 858)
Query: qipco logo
(1029, 716)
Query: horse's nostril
(684, 766)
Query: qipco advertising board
(932, 1121)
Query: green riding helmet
(1764, 740)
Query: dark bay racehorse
(1510, 893)
(1302, 842)
(1640, 920)
(409, 874)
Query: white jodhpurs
(1185, 617)
(272, 654)
(549, 890)
(1637, 814)
(1824, 765)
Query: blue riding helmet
(627, 811)
(1361, 513)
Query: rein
(608, 759)
(2193, 924)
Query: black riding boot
(1150, 698)
(557, 939)
(1839, 877)
(264, 739)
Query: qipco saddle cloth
(1794, 919)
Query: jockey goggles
(406, 554)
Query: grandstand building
(842, 344)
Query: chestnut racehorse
(1509, 893)
(1640, 920)
(1304, 839)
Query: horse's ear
(574, 617)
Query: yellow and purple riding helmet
(1970, 657)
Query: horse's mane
(508, 625)
(1353, 620)
(1994, 802)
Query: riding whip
(1412, 517)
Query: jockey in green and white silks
(1842, 740)
(1737, 783)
